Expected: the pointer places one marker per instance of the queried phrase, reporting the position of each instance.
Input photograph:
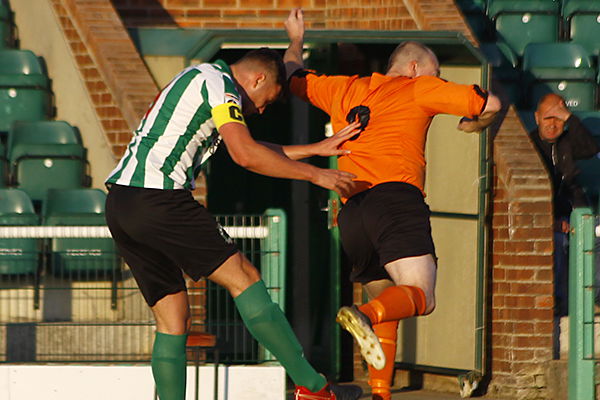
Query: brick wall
(522, 278)
(319, 14)
(117, 79)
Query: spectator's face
(549, 126)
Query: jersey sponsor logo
(227, 112)
(363, 114)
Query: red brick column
(113, 122)
(522, 278)
(117, 79)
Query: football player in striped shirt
(161, 230)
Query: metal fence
(583, 292)
(66, 299)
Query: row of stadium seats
(36, 154)
(45, 164)
(562, 68)
(43, 155)
(76, 258)
(519, 22)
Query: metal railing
(60, 304)
(583, 250)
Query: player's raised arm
(294, 26)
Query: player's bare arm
(325, 148)
(294, 26)
(484, 120)
(256, 157)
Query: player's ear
(412, 68)
(260, 79)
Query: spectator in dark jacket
(560, 148)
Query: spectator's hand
(294, 25)
(330, 146)
(333, 179)
(560, 225)
(558, 110)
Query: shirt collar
(224, 67)
(378, 79)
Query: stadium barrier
(583, 289)
(88, 308)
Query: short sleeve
(317, 89)
(437, 96)
(218, 88)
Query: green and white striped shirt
(178, 133)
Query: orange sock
(395, 303)
(381, 380)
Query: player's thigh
(191, 237)
(419, 271)
(356, 243)
(396, 220)
(236, 274)
(155, 273)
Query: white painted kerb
(133, 382)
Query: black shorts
(388, 222)
(159, 233)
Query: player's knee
(429, 305)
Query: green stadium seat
(80, 258)
(520, 22)
(562, 68)
(504, 68)
(45, 155)
(583, 23)
(24, 88)
(17, 256)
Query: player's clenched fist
(294, 24)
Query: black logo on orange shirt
(363, 113)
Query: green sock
(169, 366)
(266, 322)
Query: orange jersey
(392, 146)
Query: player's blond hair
(409, 51)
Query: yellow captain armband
(227, 112)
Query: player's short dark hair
(271, 60)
